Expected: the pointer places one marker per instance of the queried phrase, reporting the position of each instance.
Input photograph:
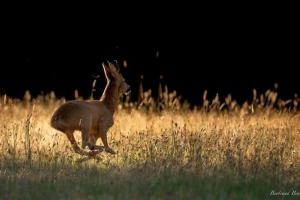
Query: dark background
(221, 52)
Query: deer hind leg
(75, 147)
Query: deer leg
(85, 131)
(75, 147)
(106, 147)
(84, 139)
(91, 142)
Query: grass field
(165, 151)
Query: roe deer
(92, 118)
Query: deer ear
(112, 69)
(117, 66)
(105, 69)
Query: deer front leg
(92, 144)
(85, 132)
(84, 139)
(106, 147)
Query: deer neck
(110, 96)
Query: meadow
(165, 150)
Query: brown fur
(92, 118)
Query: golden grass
(191, 139)
(249, 141)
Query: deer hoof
(109, 150)
(93, 153)
(91, 146)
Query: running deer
(92, 118)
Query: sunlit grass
(219, 150)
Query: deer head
(112, 74)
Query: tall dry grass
(258, 140)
